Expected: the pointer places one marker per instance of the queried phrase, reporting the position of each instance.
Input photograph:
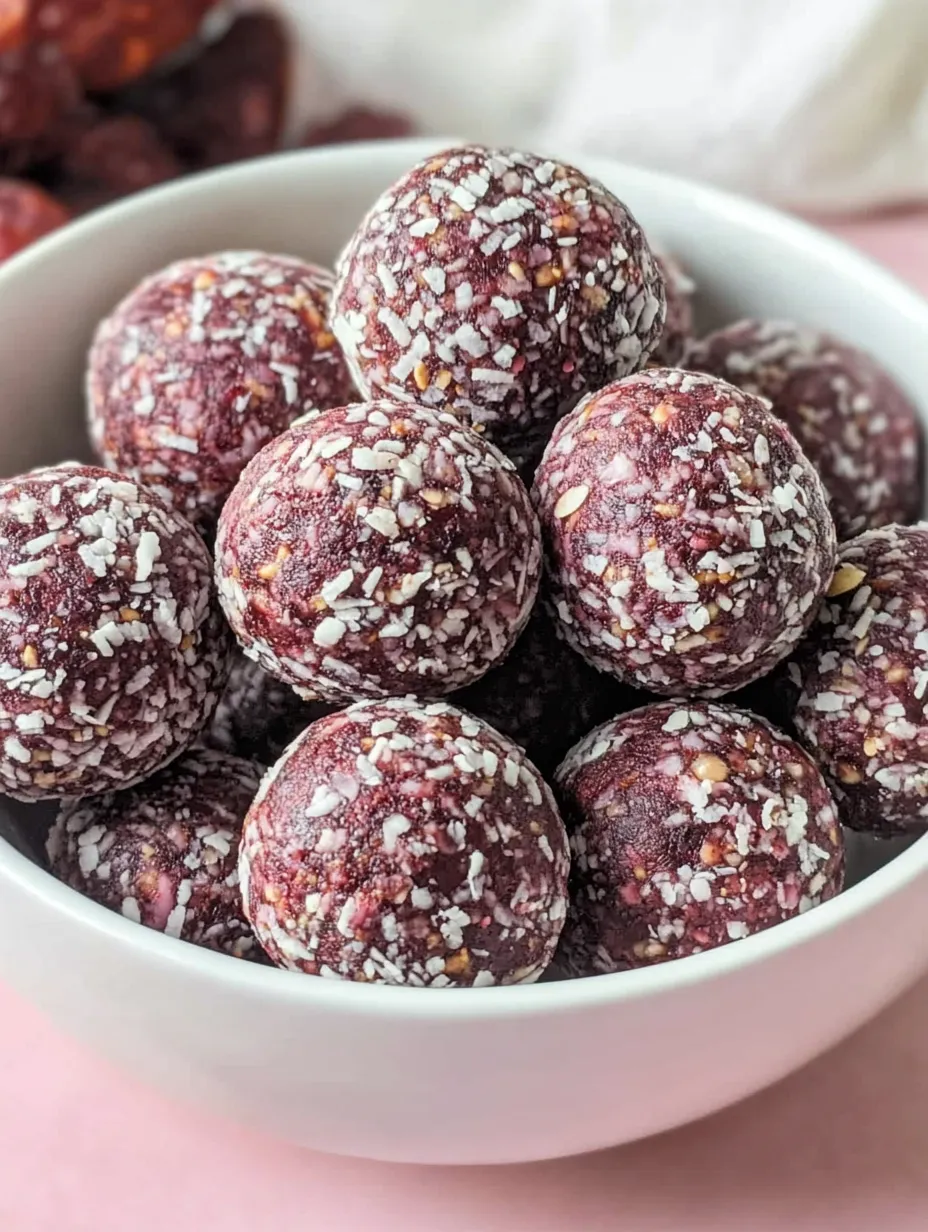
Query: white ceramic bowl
(486, 1075)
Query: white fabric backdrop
(813, 103)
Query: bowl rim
(560, 997)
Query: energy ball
(165, 854)
(112, 653)
(688, 537)
(110, 42)
(543, 695)
(402, 843)
(38, 92)
(378, 549)
(118, 154)
(228, 101)
(497, 285)
(678, 323)
(26, 214)
(855, 424)
(863, 710)
(203, 364)
(258, 715)
(359, 124)
(691, 825)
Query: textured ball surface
(203, 364)
(406, 844)
(688, 538)
(112, 653)
(678, 322)
(26, 214)
(165, 854)
(378, 549)
(258, 715)
(498, 285)
(691, 825)
(544, 696)
(863, 710)
(854, 423)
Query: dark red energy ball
(497, 285)
(111, 42)
(120, 153)
(37, 88)
(863, 710)
(358, 124)
(227, 101)
(203, 364)
(112, 653)
(258, 715)
(403, 843)
(165, 854)
(855, 424)
(378, 549)
(543, 695)
(691, 825)
(26, 214)
(689, 540)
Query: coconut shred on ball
(378, 549)
(855, 424)
(863, 710)
(206, 361)
(690, 825)
(688, 538)
(165, 854)
(112, 653)
(402, 843)
(498, 285)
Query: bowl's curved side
(405, 1074)
(339, 1075)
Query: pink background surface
(843, 1144)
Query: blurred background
(817, 105)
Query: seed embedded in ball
(863, 672)
(688, 538)
(165, 853)
(378, 549)
(205, 362)
(858, 428)
(112, 652)
(498, 285)
(402, 843)
(691, 825)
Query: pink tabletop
(843, 1144)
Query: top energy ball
(497, 285)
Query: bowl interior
(746, 260)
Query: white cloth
(819, 104)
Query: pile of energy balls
(409, 630)
(100, 98)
